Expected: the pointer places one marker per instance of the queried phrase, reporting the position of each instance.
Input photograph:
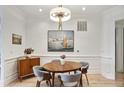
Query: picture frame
(16, 39)
(60, 41)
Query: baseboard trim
(10, 79)
(1, 84)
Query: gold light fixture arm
(60, 24)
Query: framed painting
(16, 39)
(60, 41)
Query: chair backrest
(39, 71)
(71, 78)
(85, 65)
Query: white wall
(13, 22)
(1, 47)
(88, 43)
(108, 40)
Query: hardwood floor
(95, 80)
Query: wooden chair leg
(81, 81)
(38, 84)
(20, 78)
(75, 72)
(87, 79)
(61, 82)
(61, 85)
(49, 83)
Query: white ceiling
(76, 10)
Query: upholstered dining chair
(84, 69)
(41, 75)
(70, 80)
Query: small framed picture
(16, 39)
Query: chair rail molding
(107, 67)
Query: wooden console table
(25, 66)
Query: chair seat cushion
(70, 84)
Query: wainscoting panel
(11, 72)
(107, 67)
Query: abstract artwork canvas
(16, 39)
(60, 41)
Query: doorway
(119, 48)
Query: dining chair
(41, 75)
(70, 80)
(84, 69)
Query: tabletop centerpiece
(28, 52)
(62, 59)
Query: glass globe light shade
(60, 12)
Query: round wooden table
(56, 67)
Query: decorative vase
(28, 55)
(62, 61)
